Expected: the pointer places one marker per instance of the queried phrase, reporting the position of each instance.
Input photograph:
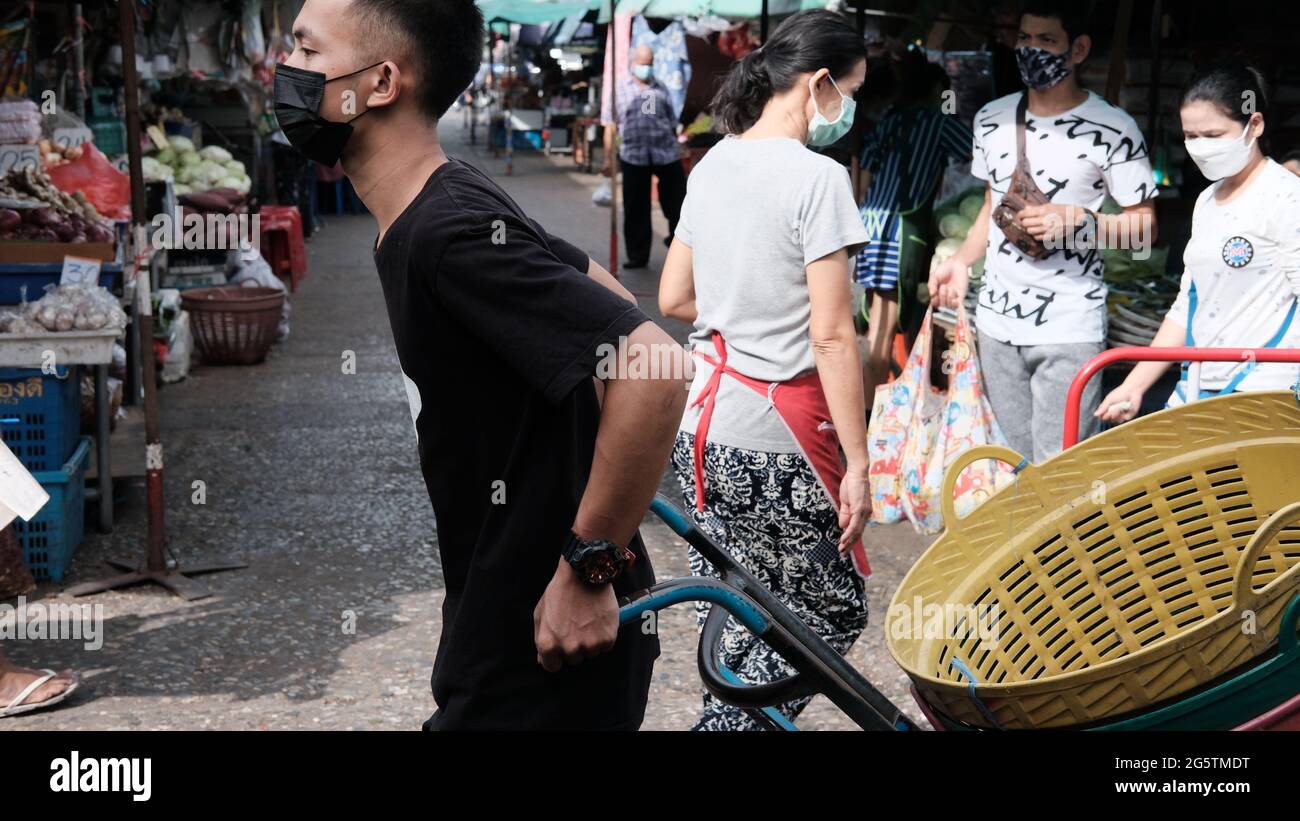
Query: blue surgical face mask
(643, 72)
(822, 131)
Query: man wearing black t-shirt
(538, 483)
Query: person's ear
(1256, 125)
(1080, 48)
(387, 86)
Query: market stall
(138, 183)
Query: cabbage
(182, 188)
(181, 144)
(228, 182)
(236, 168)
(954, 226)
(190, 158)
(215, 153)
(946, 248)
(167, 156)
(188, 174)
(154, 170)
(210, 172)
(970, 207)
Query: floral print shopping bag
(917, 431)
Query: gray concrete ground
(311, 475)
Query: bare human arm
(607, 163)
(835, 348)
(949, 279)
(864, 183)
(677, 283)
(1122, 404)
(1134, 229)
(574, 621)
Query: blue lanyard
(1243, 372)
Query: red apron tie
(801, 405)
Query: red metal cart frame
(1074, 397)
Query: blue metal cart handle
(819, 668)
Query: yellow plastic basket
(1129, 569)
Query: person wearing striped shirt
(902, 164)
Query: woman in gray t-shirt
(760, 263)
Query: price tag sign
(19, 157)
(157, 137)
(72, 137)
(79, 271)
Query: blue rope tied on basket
(1024, 460)
(970, 685)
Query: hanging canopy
(731, 9)
(534, 11)
(548, 11)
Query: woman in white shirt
(1241, 274)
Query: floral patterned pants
(769, 512)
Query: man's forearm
(638, 422)
(1129, 231)
(976, 243)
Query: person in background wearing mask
(1241, 269)
(1040, 319)
(903, 160)
(537, 484)
(647, 132)
(760, 265)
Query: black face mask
(298, 96)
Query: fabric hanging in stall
(672, 68)
(616, 44)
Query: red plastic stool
(282, 242)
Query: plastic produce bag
(108, 189)
(604, 195)
(917, 431)
(256, 272)
(179, 350)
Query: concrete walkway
(311, 475)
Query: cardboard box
(26, 251)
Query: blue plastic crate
(40, 415)
(49, 538)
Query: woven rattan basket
(1142, 563)
(233, 325)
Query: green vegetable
(954, 226)
(971, 205)
(215, 153)
(946, 248)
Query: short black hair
(1074, 16)
(442, 39)
(1293, 154)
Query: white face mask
(1220, 157)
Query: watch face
(599, 562)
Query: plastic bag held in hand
(917, 431)
(603, 196)
(108, 189)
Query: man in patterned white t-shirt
(1040, 320)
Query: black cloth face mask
(298, 95)
(1041, 69)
